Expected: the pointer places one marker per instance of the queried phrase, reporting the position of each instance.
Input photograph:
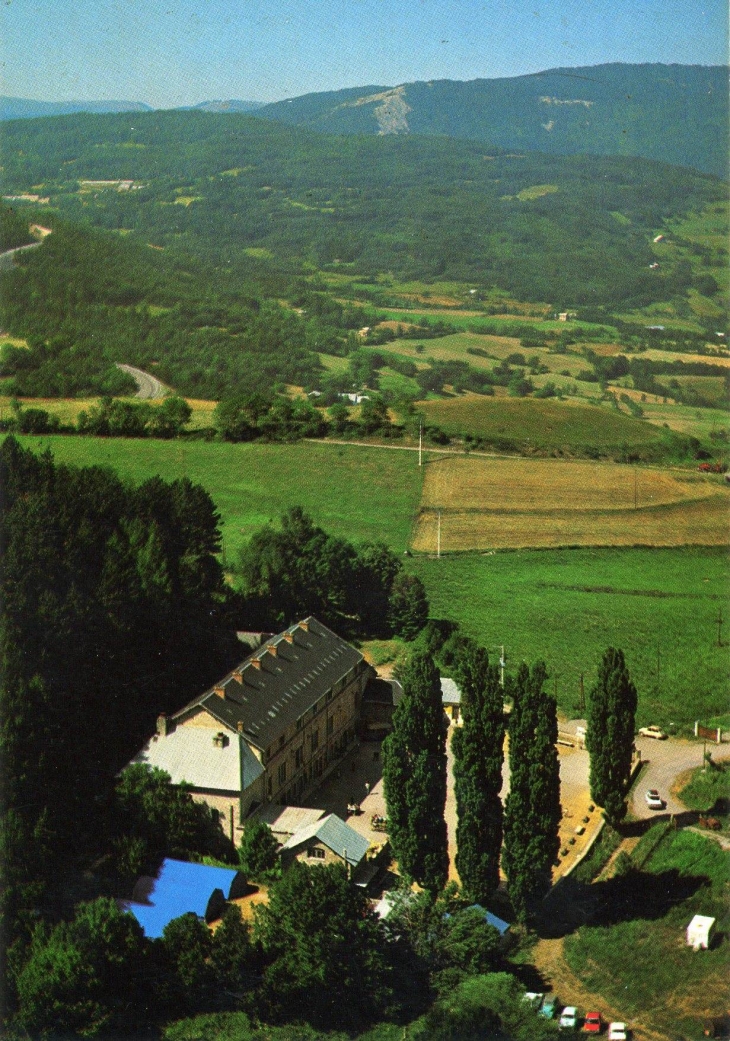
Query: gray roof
(191, 754)
(278, 683)
(336, 835)
(287, 820)
(450, 693)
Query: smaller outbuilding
(451, 700)
(181, 888)
(326, 841)
(700, 931)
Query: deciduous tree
(408, 606)
(86, 975)
(259, 850)
(323, 945)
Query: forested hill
(674, 113)
(231, 189)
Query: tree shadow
(624, 898)
(637, 828)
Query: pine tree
(532, 811)
(478, 747)
(610, 734)
(414, 774)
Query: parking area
(358, 780)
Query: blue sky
(186, 51)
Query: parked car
(533, 999)
(617, 1032)
(652, 731)
(549, 1007)
(592, 1023)
(654, 800)
(568, 1018)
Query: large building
(270, 729)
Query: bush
(258, 852)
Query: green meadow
(358, 493)
(566, 606)
(639, 961)
(546, 425)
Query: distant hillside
(674, 113)
(25, 108)
(235, 188)
(233, 105)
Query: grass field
(640, 961)
(67, 409)
(567, 606)
(543, 425)
(564, 606)
(359, 493)
(706, 787)
(520, 503)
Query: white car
(617, 1032)
(533, 999)
(568, 1018)
(654, 732)
(654, 800)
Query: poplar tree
(414, 775)
(532, 810)
(610, 734)
(478, 747)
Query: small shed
(451, 699)
(699, 932)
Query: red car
(592, 1023)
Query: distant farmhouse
(270, 729)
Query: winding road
(147, 386)
(664, 762)
(7, 258)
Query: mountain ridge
(671, 113)
(28, 108)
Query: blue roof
(180, 887)
(492, 919)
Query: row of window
(317, 707)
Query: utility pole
(502, 663)
(420, 443)
(438, 536)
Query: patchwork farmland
(519, 503)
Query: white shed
(699, 932)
